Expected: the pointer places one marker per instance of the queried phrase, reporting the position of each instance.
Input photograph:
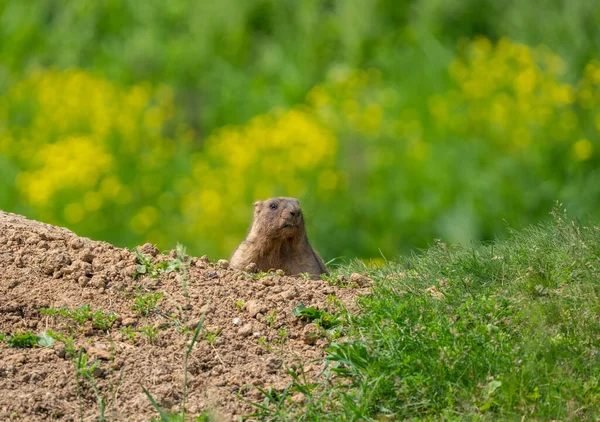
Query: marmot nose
(294, 211)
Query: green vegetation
(27, 339)
(150, 332)
(146, 267)
(145, 303)
(321, 318)
(22, 340)
(496, 331)
(68, 341)
(181, 416)
(129, 332)
(88, 372)
(394, 123)
(100, 319)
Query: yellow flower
(76, 162)
(583, 149)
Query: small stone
(18, 261)
(254, 307)
(99, 353)
(267, 281)
(118, 364)
(149, 249)
(204, 259)
(290, 293)
(223, 263)
(43, 245)
(76, 243)
(298, 398)
(32, 240)
(360, 280)
(97, 281)
(128, 322)
(245, 330)
(86, 255)
(280, 272)
(55, 262)
(83, 281)
(128, 271)
(98, 372)
(310, 334)
(273, 364)
(212, 274)
(236, 321)
(251, 268)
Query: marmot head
(278, 218)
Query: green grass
(495, 331)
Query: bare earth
(43, 266)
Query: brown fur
(277, 240)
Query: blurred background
(394, 122)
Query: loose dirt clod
(133, 337)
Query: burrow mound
(250, 335)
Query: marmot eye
(273, 206)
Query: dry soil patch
(44, 266)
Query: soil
(44, 266)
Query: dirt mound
(84, 294)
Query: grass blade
(163, 415)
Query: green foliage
(320, 317)
(164, 417)
(149, 332)
(271, 318)
(145, 303)
(100, 319)
(27, 339)
(459, 333)
(22, 340)
(135, 132)
(147, 267)
(181, 416)
(68, 341)
(88, 371)
(129, 332)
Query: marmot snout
(277, 240)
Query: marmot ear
(257, 204)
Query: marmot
(277, 240)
